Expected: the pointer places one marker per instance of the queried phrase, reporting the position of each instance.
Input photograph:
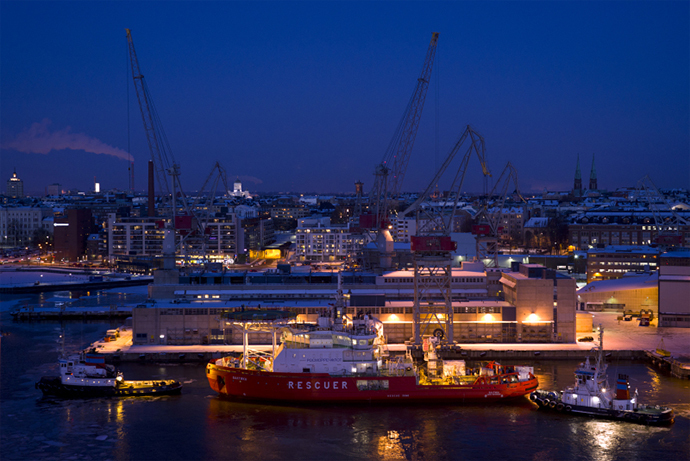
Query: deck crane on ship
(389, 174)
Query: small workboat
(87, 375)
(592, 396)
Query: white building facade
(317, 240)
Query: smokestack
(152, 201)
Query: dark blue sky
(301, 96)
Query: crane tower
(432, 246)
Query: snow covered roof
(630, 282)
(537, 222)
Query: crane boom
(389, 174)
(161, 154)
(439, 219)
(487, 229)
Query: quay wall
(180, 355)
(678, 368)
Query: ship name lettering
(337, 385)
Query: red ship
(343, 360)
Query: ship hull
(53, 386)
(649, 415)
(321, 387)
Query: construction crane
(389, 174)
(432, 246)
(488, 227)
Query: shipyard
(310, 231)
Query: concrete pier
(677, 366)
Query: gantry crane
(432, 246)
(389, 174)
(489, 217)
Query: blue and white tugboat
(592, 396)
(87, 375)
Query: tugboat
(592, 396)
(87, 375)
(346, 360)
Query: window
(372, 384)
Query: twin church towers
(577, 186)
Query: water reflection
(390, 446)
(200, 425)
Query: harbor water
(200, 425)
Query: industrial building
(539, 304)
(674, 289)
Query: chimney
(152, 200)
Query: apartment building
(19, 224)
(143, 236)
(317, 240)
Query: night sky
(305, 97)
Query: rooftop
(630, 282)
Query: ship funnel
(622, 388)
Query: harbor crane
(161, 154)
(389, 174)
(191, 223)
(488, 227)
(432, 246)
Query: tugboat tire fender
(552, 404)
(533, 397)
(568, 408)
(559, 407)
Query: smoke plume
(38, 139)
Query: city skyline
(306, 96)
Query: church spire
(593, 177)
(577, 186)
